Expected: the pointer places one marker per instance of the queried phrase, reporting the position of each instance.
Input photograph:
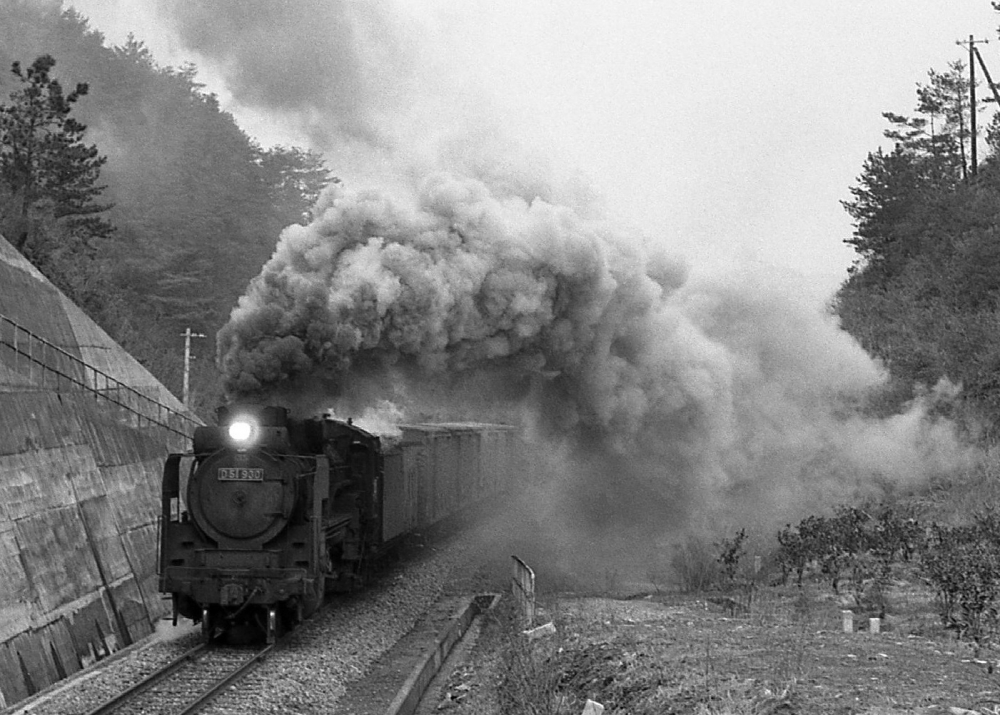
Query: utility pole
(972, 97)
(187, 362)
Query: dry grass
(694, 647)
(681, 654)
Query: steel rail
(209, 694)
(150, 680)
(162, 674)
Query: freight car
(267, 512)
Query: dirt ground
(667, 653)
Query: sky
(727, 132)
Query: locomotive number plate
(241, 474)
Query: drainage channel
(400, 678)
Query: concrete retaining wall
(78, 517)
(79, 495)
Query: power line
(989, 80)
(972, 95)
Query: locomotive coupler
(245, 604)
(231, 594)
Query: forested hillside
(195, 205)
(924, 295)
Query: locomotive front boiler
(245, 544)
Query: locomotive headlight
(243, 433)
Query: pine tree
(47, 173)
(296, 178)
(896, 201)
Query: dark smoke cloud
(339, 67)
(723, 393)
(456, 281)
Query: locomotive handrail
(76, 371)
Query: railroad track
(186, 684)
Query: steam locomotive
(267, 512)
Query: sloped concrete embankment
(79, 501)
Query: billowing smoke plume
(480, 283)
(707, 391)
(337, 67)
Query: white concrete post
(848, 621)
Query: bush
(695, 566)
(731, 551)
(526, 685)
(963, 565)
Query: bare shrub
(695, 565)
(527, 684)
